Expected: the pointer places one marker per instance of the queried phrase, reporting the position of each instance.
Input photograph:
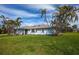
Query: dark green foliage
(64, 16)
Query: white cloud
(22, 13)
(50, 8)
(16, 12)
(41, 6)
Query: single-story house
(36, 29)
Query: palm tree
(3, 19)
(65, 15)
(3, 23)
(17, 23)
(69, 13)
(56, 23)
(43, 14)
(10, 24)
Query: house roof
(36, 27)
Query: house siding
(20, 31)
(47, 31)
(37, 29)
(40, 31)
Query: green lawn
(68, 43)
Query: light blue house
(37, 29)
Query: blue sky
(30, 13)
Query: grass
(67, 44)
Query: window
(43, 30)
(36, 30)
(33, 30)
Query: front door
(25, 31)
